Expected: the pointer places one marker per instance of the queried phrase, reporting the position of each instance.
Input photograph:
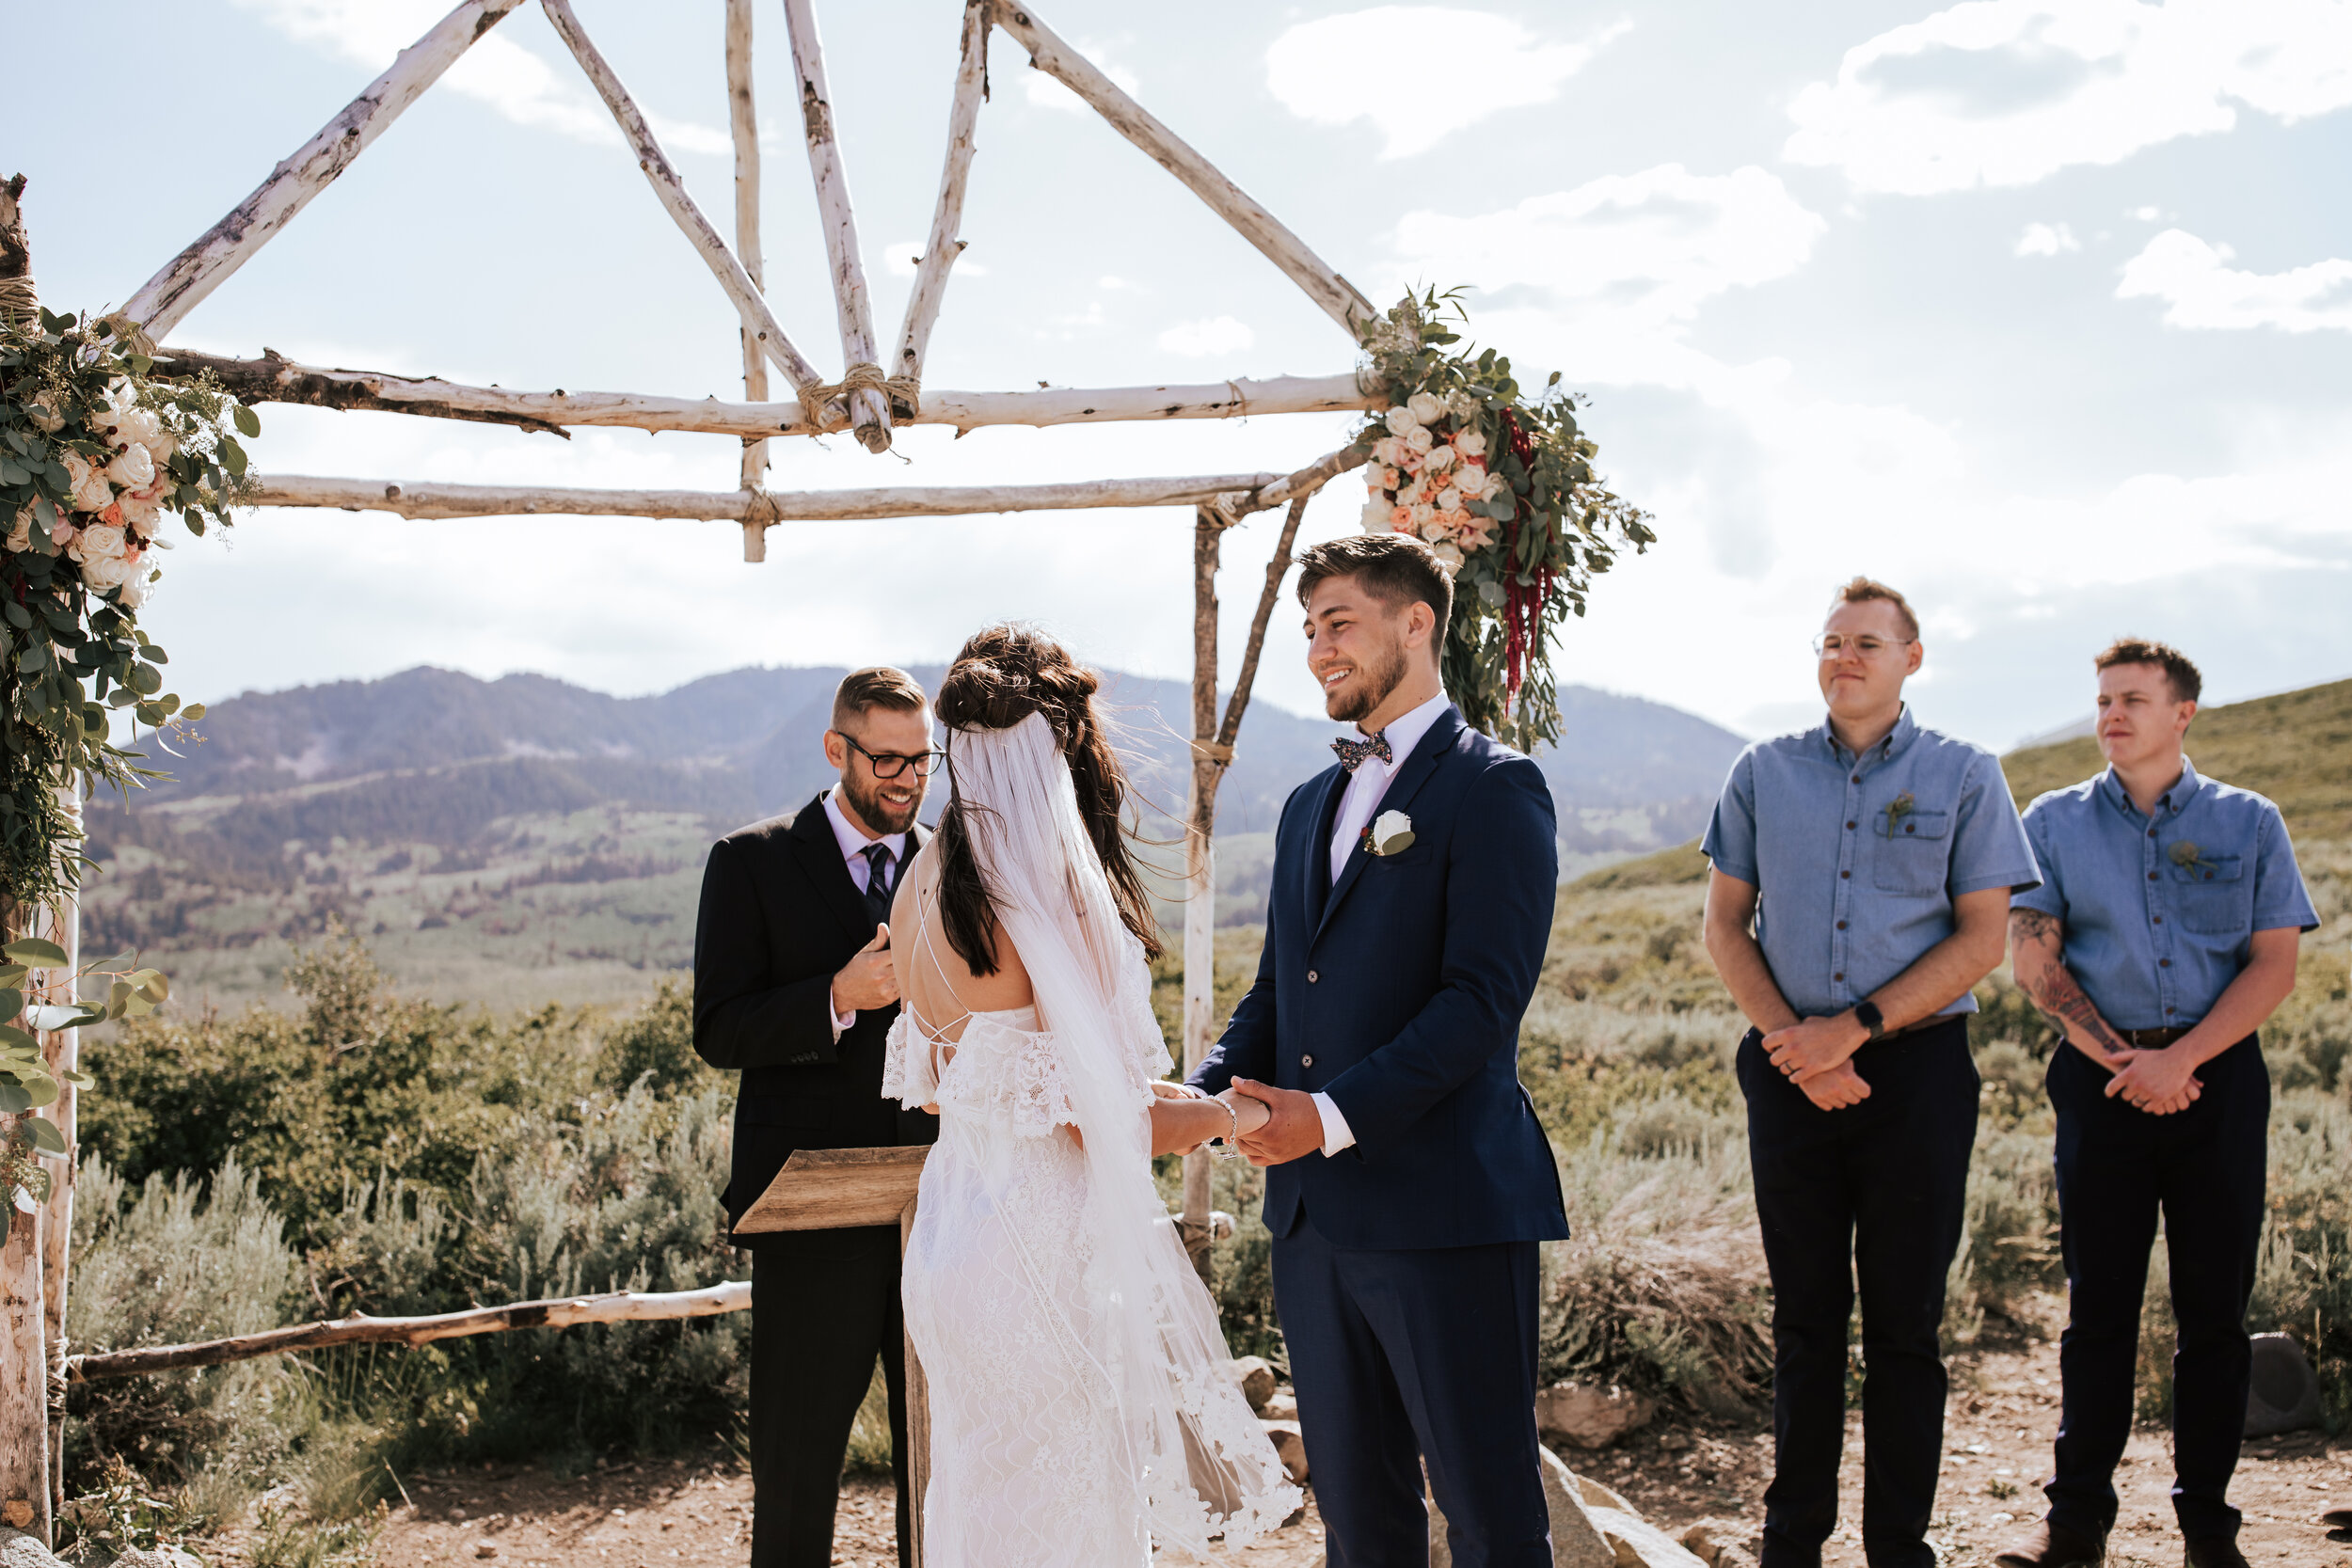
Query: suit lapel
(1318, 867)
(814, 846)
(1399, 793)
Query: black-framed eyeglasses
(889, 764)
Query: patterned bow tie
(1353, 752)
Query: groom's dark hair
(877, 686)
(1394, 568)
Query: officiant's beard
(883, 815)
(1362, 696)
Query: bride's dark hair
(1000, 677)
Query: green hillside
(2295, 748)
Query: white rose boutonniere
(1391, 834)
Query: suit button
(1306, 1061)
(1312, 977)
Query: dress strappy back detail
(1004, 1070)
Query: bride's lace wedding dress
(1080, 1412)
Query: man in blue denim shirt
(1876, 859)
(2163, 935)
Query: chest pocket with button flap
(1914, 850)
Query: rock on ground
(20, 1550)
(1590, 1417)
(1255, 1375)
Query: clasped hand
(2161, 1083)
(1246, 1116)
(1817, 1056)
(869, 979)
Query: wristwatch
(1868, 1015)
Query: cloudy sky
(2039, 308)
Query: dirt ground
(2004, 1413)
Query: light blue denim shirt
(2160, 910)
(1857, 859)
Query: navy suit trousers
(2117, 1165)
(1413, 1354)
(1876, 1191)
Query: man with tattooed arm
(2163, 935)
(1862, 878)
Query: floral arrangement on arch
(95, 455)
(1502, 488)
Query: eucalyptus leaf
(45, 1135)
(34, 950)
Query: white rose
(1440, 457)
(1449, 500)
(1432, 530)
(1461, 404)
(134, 593)
(1420, 440)
(91, 493)
(1376, 515)
(1448, 557)
(45, 418)
(1496, 484)
(133, 469)
(106, 572)
(142, 514)
(98, 542)
(1422, 513)
(1472, 442)
(1426, 406)
(1402, 421)
(138, 425)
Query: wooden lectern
(832, 1189)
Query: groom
(1410, 1181)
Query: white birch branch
(945, 245)
(869, 411)
(663, 177)
(166, 298)
(276, 379)
(1338, 297)
(429, 501)
(743, 120)
(617, 1307)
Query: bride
(1080, 1409)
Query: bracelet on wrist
(1227, 1147)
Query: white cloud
(1211, 335)
(496, 70)
(2198, 292)
(2046, 239)
(1626, 260)
(1046, 92)
(2007, 92)
(1338, 69)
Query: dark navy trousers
(1411, 1356)
(2205, 1169)
(1874, 1193)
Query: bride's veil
(1202, 1464)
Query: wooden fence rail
(360, 1329)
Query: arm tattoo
(2056, 994)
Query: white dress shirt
(853, 844)
(1365, 788)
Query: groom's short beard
(1377, 684)
(864, 798)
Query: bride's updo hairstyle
(1000, 677)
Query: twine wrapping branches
(902, 395)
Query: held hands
(1292, 1128)
(2161, 1083)
(1233, 1115)
(869, 979)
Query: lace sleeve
(907, 1075)
(1012, 1079)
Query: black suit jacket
(779, 918)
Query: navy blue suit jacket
(1398, 991)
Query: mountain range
(490, 837)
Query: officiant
(794, 988)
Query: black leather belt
(2150, 1039)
